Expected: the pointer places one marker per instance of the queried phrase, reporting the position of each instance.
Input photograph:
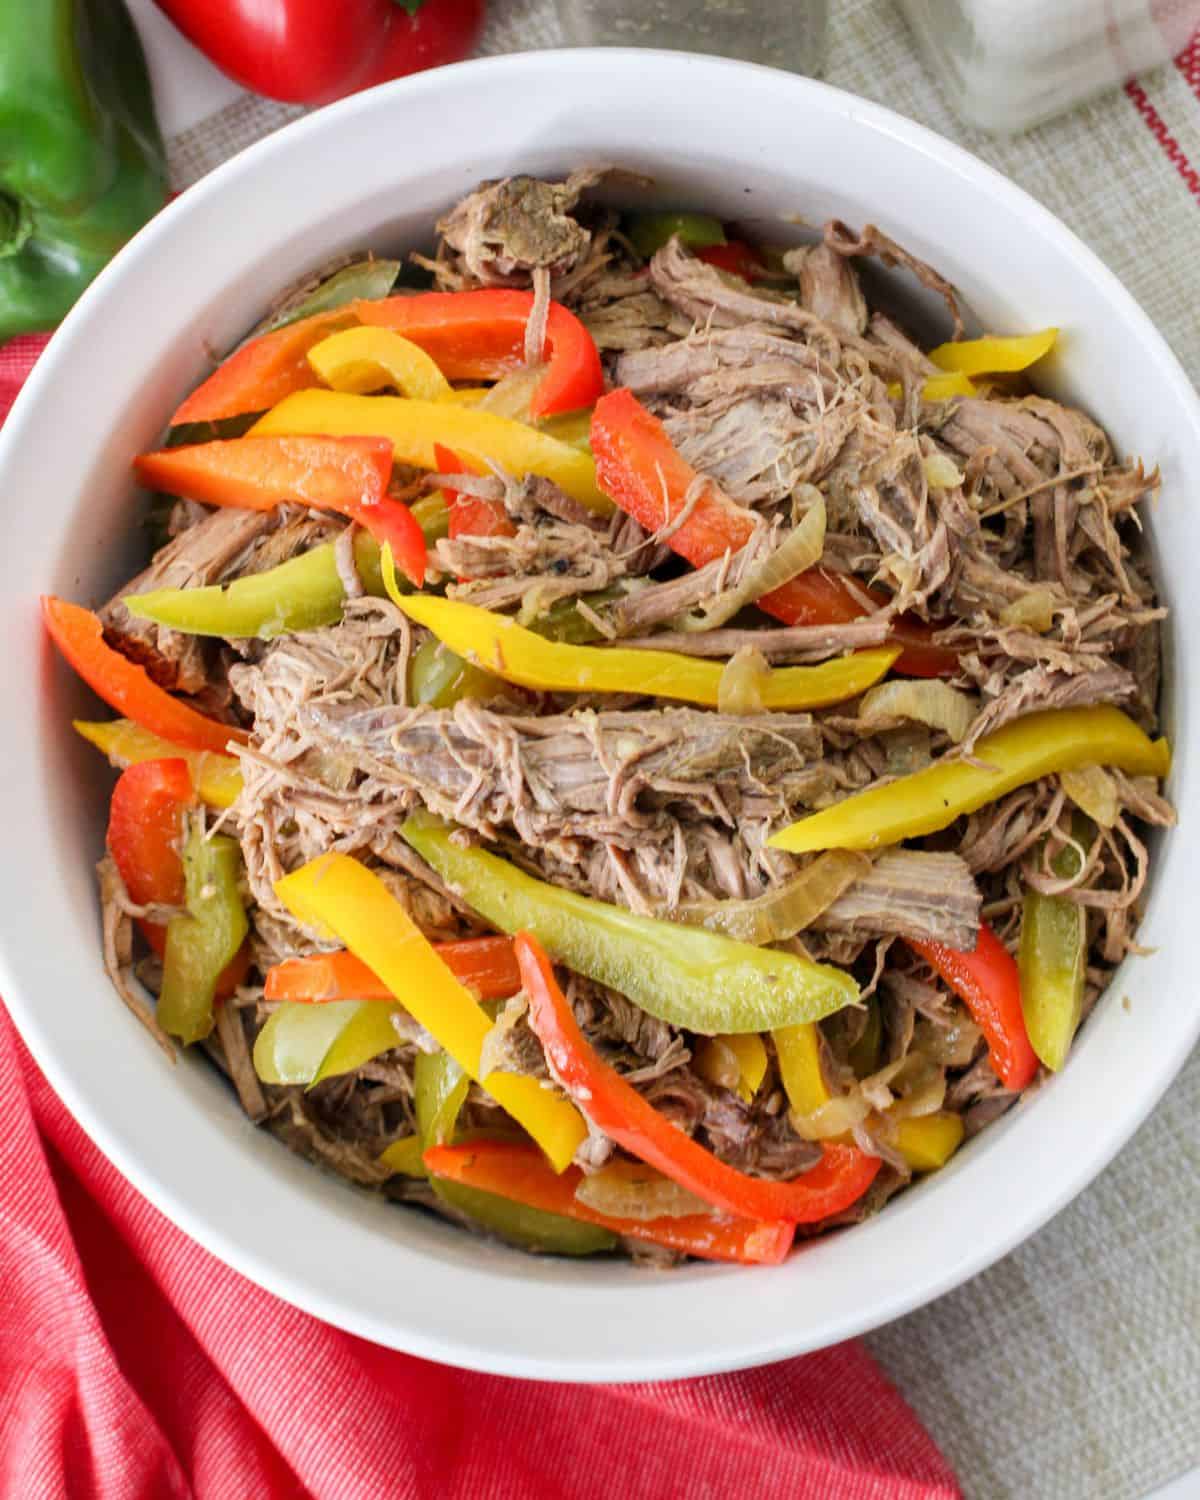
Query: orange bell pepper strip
(616, 1108)
(349, 475)
(480, 335)
(145, 834)
(518, 1172)
(125, 686)
(989, 984)
(261, 372)
(639, 468)
(485, 965)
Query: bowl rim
(225, 1243)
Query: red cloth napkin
(135, 1366)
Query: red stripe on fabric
(1188, 63)
(1173, 151)
(17, 358)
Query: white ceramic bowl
(375, 170)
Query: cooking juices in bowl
(624, 746)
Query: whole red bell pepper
(989, 984)
(349, 475)
(640, 470)
(615, 1107)
(145, 835)
(312, 51)
(127, 687)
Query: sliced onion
(800, 550)
(924, 1090)
(740, 689)
(510, 397)
(941, 472)
(1093, 791)
(951, 1046)
(1034, 610)
(628, 1190)
(838, 1117)
(927, 702)
(788, 909)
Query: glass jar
(1009, 64)
(783, 33)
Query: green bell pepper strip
(927, 801)
(202, 941)
(651, 231)
(364, 281)
(439, 677)
(81, 160)
(1052, 960)
(439, 1092)
(303, 593)
(683, 975)
(305, 1044)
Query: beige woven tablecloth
(1072, 1369)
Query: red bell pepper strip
(486, 965)
(616, 1108)
(312, 51)
(640, 470)
(125, 686)
(145, 834)
(519, 1172)
(349, 475)
(735, 257)
(470, 515)
(989, 984)
(262, 372)
(480, 335)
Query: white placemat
(1072, 1369)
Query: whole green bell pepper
(81, 160)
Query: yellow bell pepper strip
(738, 1062)
(519, 1173)
(927, 1142)
(1053, 963)
(405, 1156)
(687, 976)
(126, 686)
(202, 942)
(615, 1107)
(501, 646)
(414, 427)
(216, 778)
(305, 1044)
(994, 355)
(439, 1092)
(360, 360)
(798, 1049)
(939, 387)
(303, 593)
(927, 801)
(343, 896)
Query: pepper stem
(16, 224)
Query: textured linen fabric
(135, 1366)
(1072, 1368)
